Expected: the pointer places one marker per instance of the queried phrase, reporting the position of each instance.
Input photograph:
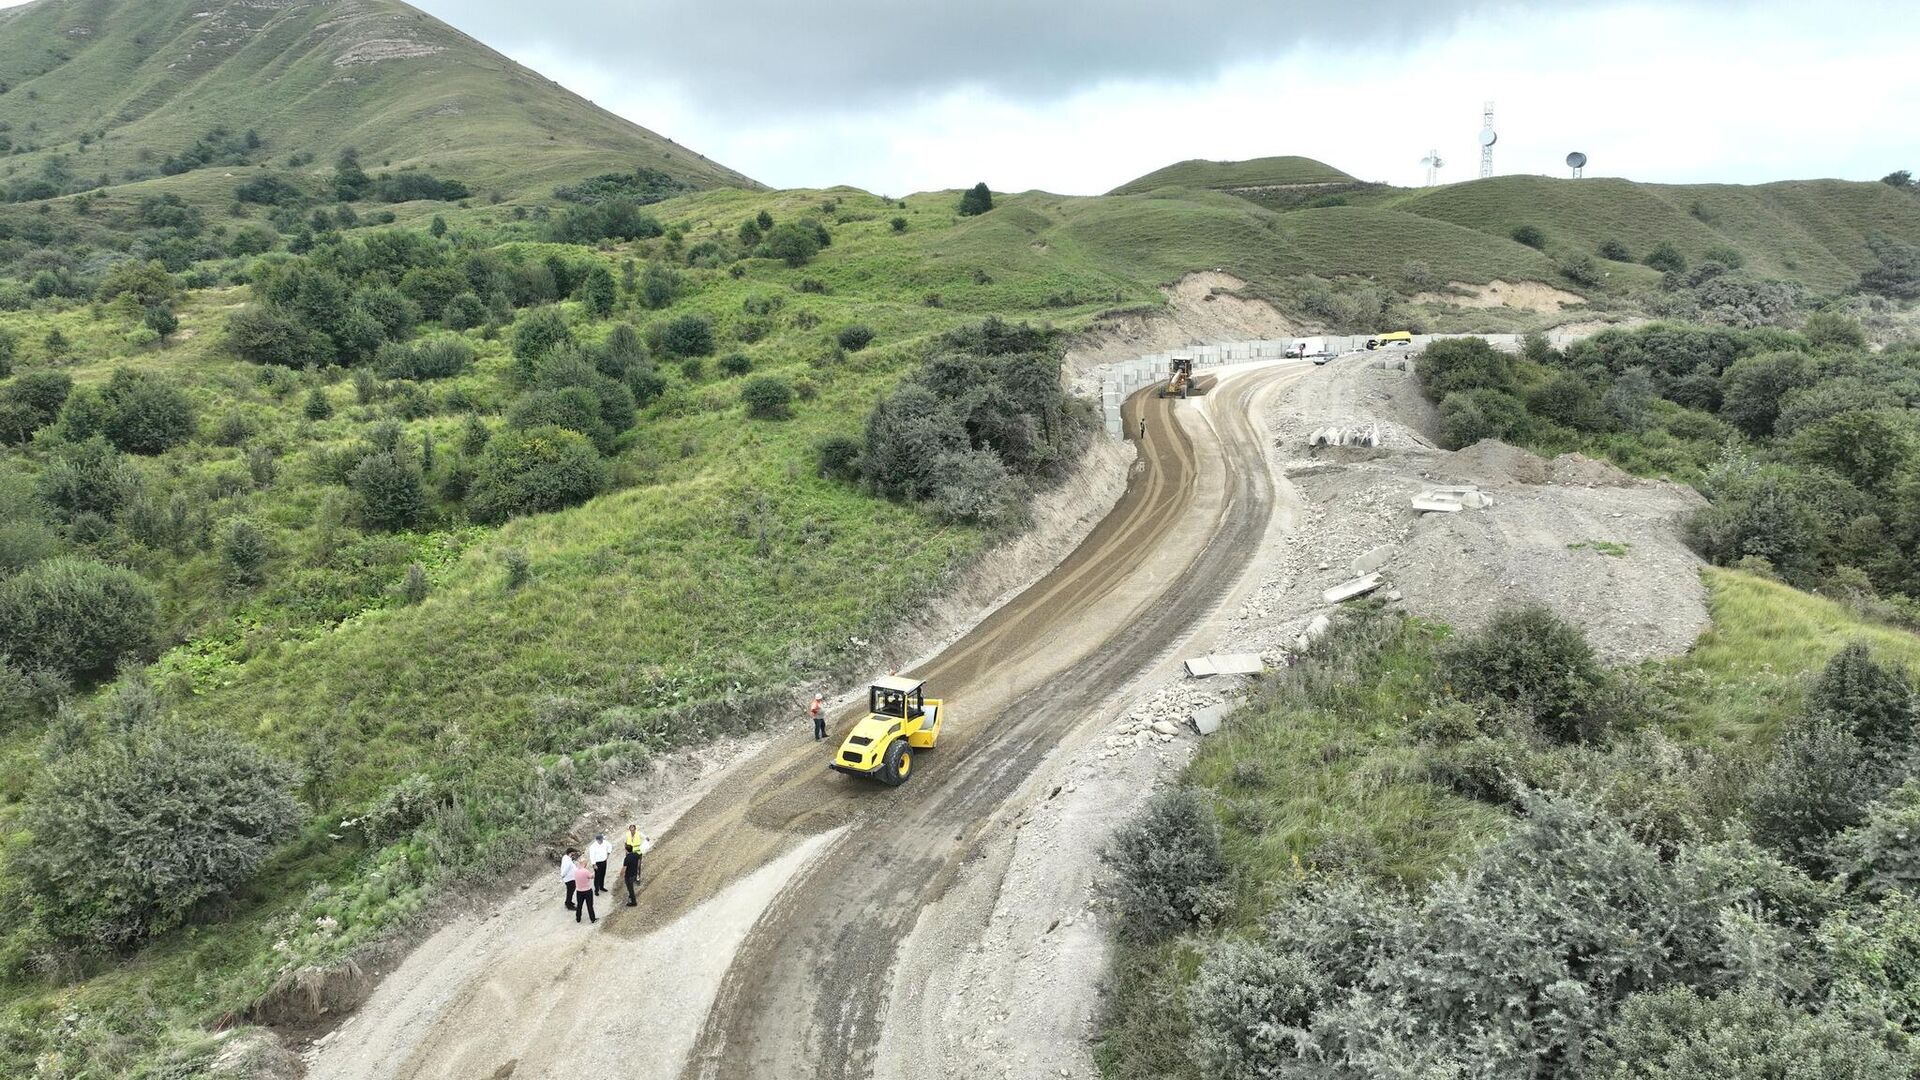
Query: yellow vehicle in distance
(900, 719)
(1381, 341)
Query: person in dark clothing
(1143, 427)
(635, 844)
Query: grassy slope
(1223, 175)
(152, 76)
(1312, 788)
(1811, 231)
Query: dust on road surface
(834, 872)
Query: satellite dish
(1576, 160)
(1488, 137)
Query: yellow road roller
(900, 719)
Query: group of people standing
(586, 878)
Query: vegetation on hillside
(1804, 442)
(1424, 871)
(1232, 175)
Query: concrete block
(1207, 721)
(1351, 590)
(1435, 506)
(1371, 561)
(1201, 667)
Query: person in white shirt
(566, 874)
(597, 852)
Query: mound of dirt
(1363, 394)
(1491, 461)
(1520, 295)
(1580, 469)
(1601, 548)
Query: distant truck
(1382, 341)
(1307, 348)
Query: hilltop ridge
(103, 93)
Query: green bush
(74, 617)
(1615, 251)
(1470, 416)
(9, 352)
(1754, 388)
(540, 332)
(1819, 784)
(1531, 658)
(658, 286)
(1531, 236)
(839, 457)
(318, 406)
(688, 335)
(34, 398)
(1169, 872)
(735, 364)
(464, 312)
(1666, 258)
(974, 487)
(598, 292)
(1455, 364)
(1879, 855)
(243, 552)
(533, 472)
(855, 337)
(574, 408)
(1870, 699)
(1253, 1009)
(1569, 400)
(767, 397)
(1680, 1034)
(1581, 269)
(131, 833)
(87, 477)
(977, 200)
(392, 494)
(899, 224)
(433, 358)
(147, 414)
(793, 242)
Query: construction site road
(771, 912)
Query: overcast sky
(1078, 96)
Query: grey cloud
(789, 55)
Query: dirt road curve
(799, 987)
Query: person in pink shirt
(583, 891)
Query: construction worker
(819, 714)
(597, 853)
(1143, 429)
(636, 845)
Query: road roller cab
(900, 720)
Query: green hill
(1232, 175)
(1811, 231)
(99, 93)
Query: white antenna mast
(1433, 163)
(1487, 138)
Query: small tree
(392, 495)
(413, 588)
(1902, 179)
(243, 553)
(599, 292)
(978, 200)
(9, 351)
(1170, 874)
(1831, 329)
(540, 332)
(839, 457)
(767, 397)
(764, 220)
(1531, 236)
(899, 225)
(318, 406)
